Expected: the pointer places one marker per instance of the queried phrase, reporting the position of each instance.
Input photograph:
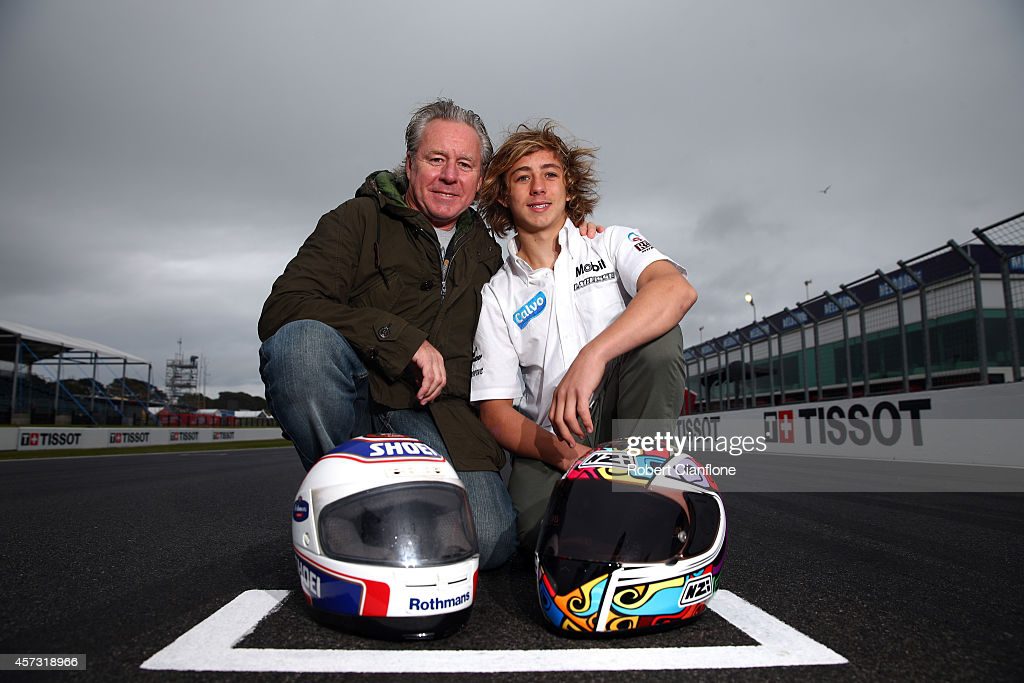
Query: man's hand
(590, 230)
(431, 366)
(525, 438)
(571, 399)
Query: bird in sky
(825, 191)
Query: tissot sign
(47, 438)
(133, 438)
(972, 425)
(886, 423)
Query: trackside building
(951, 317)
(861, 370)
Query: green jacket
(372, 270)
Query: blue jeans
(317, 388)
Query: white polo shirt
(533, 323)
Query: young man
(582, 331)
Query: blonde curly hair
(578, 162)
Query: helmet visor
(418, 524)
(589, 520)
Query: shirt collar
(567, 238)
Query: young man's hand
(570, 404)
(663, 297)
(590, 230)
(431, 366)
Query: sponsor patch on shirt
(477, 368)
(639, 243)
(590, 267)
(530, 310)
(587, 281)
(594, 267)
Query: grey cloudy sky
(162, 161)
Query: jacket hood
(388, 191)
(385, 187)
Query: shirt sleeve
(496, 371)
(633, 253)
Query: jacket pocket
(378, 291)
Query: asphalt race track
(118, 557)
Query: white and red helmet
(384, 539)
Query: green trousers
(644, 384)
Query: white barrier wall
(971, 425)
(49, 438)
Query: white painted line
(210, 646)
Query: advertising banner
(965, 439)
(971, 425)
(52, 438)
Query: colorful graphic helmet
(384, 540)
(631, 541)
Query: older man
(370, 326)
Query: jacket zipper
(440, 257)
(446, 264)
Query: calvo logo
(530, 310)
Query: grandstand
(951, 317)
(42, 382)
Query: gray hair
(445, 110)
